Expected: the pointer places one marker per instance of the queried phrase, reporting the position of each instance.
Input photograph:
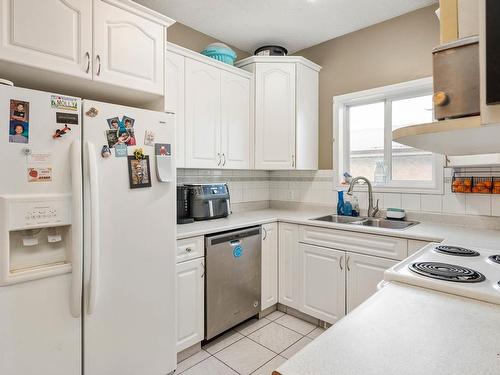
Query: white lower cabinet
(269, 269)
(289, 282)
(323, 282)
(190, 302)
(364, 272)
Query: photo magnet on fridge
(19, 121)
(128, 122)
(127, 137)
(163, 149)
(139, 172)
(113, 123)
(121, 150)
(149, 138)
(112, 138)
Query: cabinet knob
(188, 249)
(440, 98)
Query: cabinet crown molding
(278, 59)
(142, 11)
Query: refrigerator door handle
(94, 229)
(77, 230)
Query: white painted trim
(186, 52)
(142, 11)
(278, 59)
(393, 92)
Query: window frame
(386, 94)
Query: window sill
(436, 190)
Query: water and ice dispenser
(36, 237)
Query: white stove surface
(487, 290)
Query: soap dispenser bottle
(340, 203)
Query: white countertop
(406, 330)
(432, 232)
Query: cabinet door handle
(98, 59)
(87, 55)
(220, 159)
(347, 263)
(293, 161)
(340, 262)
(224, 163)
(203, 268)
(265, 233)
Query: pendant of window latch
(60, 132)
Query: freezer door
(40, 280)
(129, 271)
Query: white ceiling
(294, 24)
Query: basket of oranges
(496, 185)
(461, 184)
(482, 185)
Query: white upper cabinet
(203, 129)
(212, 101)
(235, 121)
(174, 100)
(49, 34)
(286, 111)
(275, 116)
(128, 49)
(269, 272)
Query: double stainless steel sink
(368, 221)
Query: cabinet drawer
(382, 246)
(190, 248)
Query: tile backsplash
(249, 188)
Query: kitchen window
(363, 125)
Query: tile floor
(255, 347)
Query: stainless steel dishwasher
(232, 279)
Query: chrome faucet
(372, 210)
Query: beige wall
(189, 38)
(390, 52)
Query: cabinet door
(275, 116)
(323, 282)
(128, 49)
(235, 121)
(190, 303)
(289, 282)
(364, 272)
(202, 115)
(174, 100)
(269, 289)
(51, 34)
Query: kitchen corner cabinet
(115, 42)
(269, 272)
(213, 101)
(286, 111)
(190, 303)
(289, 282)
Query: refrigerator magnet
(105, 151)
(128, 122)
(67, 118)
(139, 172)
(92, 112)
(40, 174)
(64, 102)
(149, 138)
(121, 150)
(19, 126)
(164, 164)
(60, 132)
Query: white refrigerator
(87, 237)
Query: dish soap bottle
(340, 203)
(355, 206)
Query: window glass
(408, 163)
(366, 138)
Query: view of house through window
(367, 123)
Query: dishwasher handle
(233, 236)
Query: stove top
(467, 272)
(447, 272)
(456, 251)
